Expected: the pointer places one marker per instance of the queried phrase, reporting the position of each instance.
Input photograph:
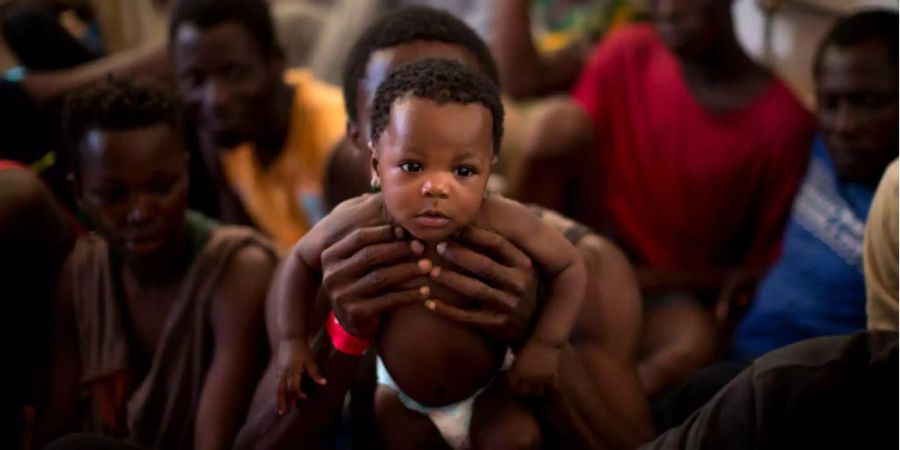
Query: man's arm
(150, 59)
(605, 342)
(524, 72)
(238, 329)
(312, 423)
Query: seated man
(264, 134)
(601, 403)
(817, 287)
(159, 315)
(689, 154)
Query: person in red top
(696, 153)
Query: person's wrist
(343, 341)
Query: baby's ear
(376, 178)
(373, 158)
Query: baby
(436, 128)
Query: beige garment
(880, 255)
(160, 410)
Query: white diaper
(452, 420)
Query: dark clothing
(39, 42)
(831, 392)
(160, 409)
(80, 441)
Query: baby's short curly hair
(442, 81)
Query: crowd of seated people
(633, 236)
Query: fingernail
(417, 247)
(424, 265)
(441, 247)
(398, 232)
(424, 291)
(430, 304)
(435, 272)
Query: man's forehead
(385, 60)
(227, 39)
(865, 64)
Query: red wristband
(343, 341)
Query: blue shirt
(816, 287)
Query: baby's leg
(503, 421)
(402, 428)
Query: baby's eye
(464, 171)
(411, 166)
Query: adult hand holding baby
(505, 283)
(358, 269)
(368, 261)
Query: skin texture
(856, 107)
(234, 93)
(433, 162)
(133, 186)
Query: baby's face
(433, 163)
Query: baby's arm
(536, 363)
(294, 299)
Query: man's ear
(355, 136)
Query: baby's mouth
(432, 218)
